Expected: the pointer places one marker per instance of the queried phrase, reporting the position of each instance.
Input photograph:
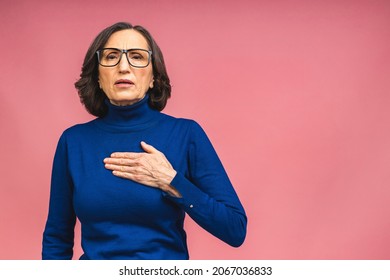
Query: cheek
(104, 79)
(146, 77)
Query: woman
(131, 174)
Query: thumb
(148, 148)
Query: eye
(110, 54)
(136, 56)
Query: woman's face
(124, 84)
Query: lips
(124, 82)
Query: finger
(149, 148)
(123, 168)
(134, 177)
(119, 161)
(122, 174)
(115, 167)
(125, 155)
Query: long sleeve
(207, 193)
(58, 236)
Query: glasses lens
(109, 57)
(136, 57)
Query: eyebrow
(141, 48)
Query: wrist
(167, 187)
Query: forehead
(127, 39)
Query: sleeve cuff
(192, 197)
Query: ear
(151, 85)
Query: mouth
(124, 83)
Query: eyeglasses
(110, 57)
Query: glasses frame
(127, 57)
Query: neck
(136, 114)
(124, 103)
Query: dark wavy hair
(88, 88)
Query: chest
(101, 196)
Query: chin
(126, 100)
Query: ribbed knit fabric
(121, 219)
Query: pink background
(295, 96)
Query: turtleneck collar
(137, 115)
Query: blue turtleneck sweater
(121, 219)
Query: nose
(124, 66)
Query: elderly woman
(131, 174)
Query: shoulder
(191, 129)
(188, 125)
(77, 130)
(179, 121)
